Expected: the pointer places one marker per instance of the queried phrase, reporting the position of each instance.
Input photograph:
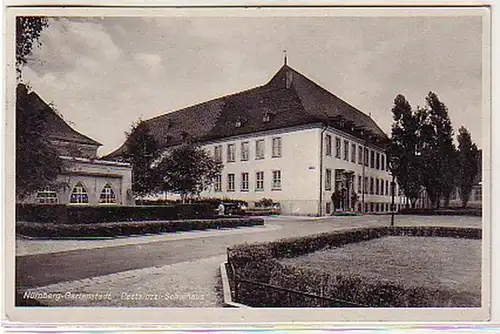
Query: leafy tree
(186, 170)
(468, 155)
(37, 161)
(404, 149)
(439, 152)
(28, 31)
(142, 151)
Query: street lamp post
(393, 186)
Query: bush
(258, 262)
(443, 212)
(265, 203)
(68, 214)
(100, 230)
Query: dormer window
(267, 117)
(238, 123)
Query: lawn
(434, 262)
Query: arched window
(79, 194)
(107, 194)
(46, 196)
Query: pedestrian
(221, 209)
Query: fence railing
(322, 300)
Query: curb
(226, 290)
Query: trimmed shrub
(100, 230)
(69, 214)
(443, 212)
(258, 262)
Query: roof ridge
(48, 108)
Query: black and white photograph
(298, 159)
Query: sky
(103, 74)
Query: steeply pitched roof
(57, 128)
(289, 99)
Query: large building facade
(86, 179)
(291, 141)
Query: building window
(230, 182)
(381, 187)
(259, 149)
(346, 150)
(107, 195)
(276, 180)
(328, 145)
(365, 185)
(46, 196)
(79, 194)
(218, 153)
(276, 147)
(328, 179)
(245, 151)
(377, 186)
(382, 162)
(230, 152)
(244, 182)
(366, 155)
(328, 207)
(337, 147)
(260, 181)
(371, 185)
(372, 159)
(478, 194)
(353, 153)
(218, 183)
(359, 183)
(386, 188)
(378, 161)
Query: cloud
(105, 73)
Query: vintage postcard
(247, 165)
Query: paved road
(44, 269)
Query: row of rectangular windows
(377, 186)
(352, 151)
(245, 181)
(369, 207)
(260, 148)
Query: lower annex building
(86, 180)
(289, 140)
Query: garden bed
(107, 230)
(273, 274)
(450, 265)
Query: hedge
(259, 262)
(443, 212)
(77, 214)
(101, 230)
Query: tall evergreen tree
(404, 149)
(37, 161)
(468, 155)
(439, 152)
(142, 151)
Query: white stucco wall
(332, 162)
(94, 175)
(298, 165)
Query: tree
(28, 31)
(142, 151)
(187, 170)
(468, 155)
(37, 161)
(404, 148)
(439, 155)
